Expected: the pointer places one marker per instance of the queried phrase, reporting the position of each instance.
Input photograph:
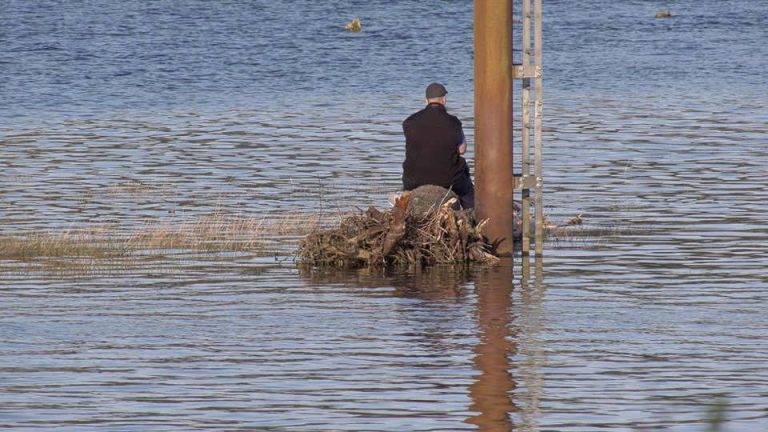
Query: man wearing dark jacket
(434, 143)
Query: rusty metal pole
(493, 120)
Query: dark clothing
(465, 190)
(432, 140)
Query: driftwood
(395, 238)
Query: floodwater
(127, 112)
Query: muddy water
(645, 323)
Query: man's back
(432, 139)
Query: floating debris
(354, 26)
(663, 14)
(397, 238)
(575, 221)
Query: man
(434, 143)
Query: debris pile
(397, 238)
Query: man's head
(436, 93)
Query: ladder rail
(537, 115)
(530, 69)
(525, 201)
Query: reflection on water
(491, 392)
(444, 283)
(532, 357)
(493, 404)
(490, 289)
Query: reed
(218, 232)
(66, 244)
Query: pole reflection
(532, 354)
(504, 396)
(491, 392)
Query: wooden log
(397, 227)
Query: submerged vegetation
(217, 232)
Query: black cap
(436, 90)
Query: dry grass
(217, 232)
(96, 243)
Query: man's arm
(463, 145)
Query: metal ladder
(526, 71)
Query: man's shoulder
(415, 116)
(454, 119)
(450, 118)
(432, 116)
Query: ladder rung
(520, 71)
(524, 182)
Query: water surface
(133, 112)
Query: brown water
(644, 322)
